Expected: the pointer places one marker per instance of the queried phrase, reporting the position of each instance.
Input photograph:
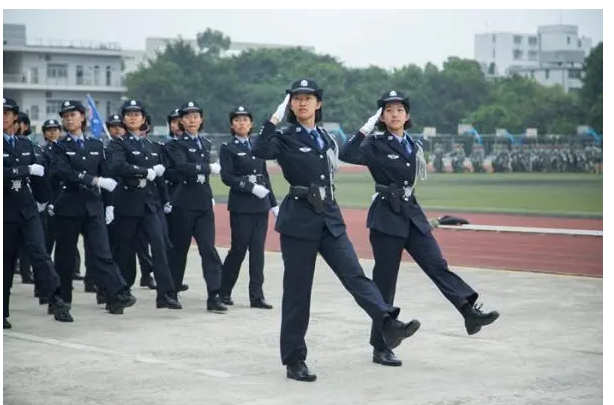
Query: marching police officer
(23, 186)
(81, 166)
(137, 204)
(310, 222)
(250, 199)
(396, 220)
(191, 199)
(115, 128)
(173, 121)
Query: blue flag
(96, 122)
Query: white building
(554, 55)
(39, 75)
(133, 58)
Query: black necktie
(316, 138)
(80, 142)
(406, 145)
(12, 142)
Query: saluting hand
(370, 124)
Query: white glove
(275, 210)
(107, 183)
(151, 174)
(167, 208)
(215, 168)
(213, 202)
(108, 215)
(159, 169)
(200, 178)
(374, 196)
(281, 109)
(50, 210)
(36, 170)
(260, 191)
(370, 124)
(41, 206)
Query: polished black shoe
(148, 281)
(261, 304)
(475, 318)
(121, 300)
(100, 298)
(43, 301)
(395, 331)
(184, 287)
(214, 304)
(227, 300)
(386, 357)
(59, 309)
(6, 324)
(300, 372)
(27, 277)
(168, 300)
(78, 277)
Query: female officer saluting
(310, 222)
(249, 201)
(396, 220)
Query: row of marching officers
(128, 197)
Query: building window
(79, 75)
(517, 54)
(568, 40)
(532, 40)
(493, 53)
(579, 43)
(494, 38)
(55, 71)
(108, 76)
(574, 74)
(547, 74)
(532, 54)
(53, 107)
(517, 39)
(96, 75)
(34, 75)
(34, 113)
(108, 108)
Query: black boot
(168, 300)
(475, 318)
(300, 372)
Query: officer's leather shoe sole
(299, 372)
(395, 331)
(386, 358)
(261, 304)
(6, 324)
(122, 300)
(184, 287)
(216, 307)
(166, 301)
(226, 300)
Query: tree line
(457, 93)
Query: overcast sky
(387, 38)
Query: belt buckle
(142, 183)
(16, 185)
(407, 192)
(200, 178)
(252, 178)
(322, 191)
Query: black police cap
(132, 105)
(239, 110)
(71, 105)
(51, 123)
(189, 107)
(114, 120)
(306, 86)
(10, 104)
(393, 97)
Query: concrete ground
(546, 348)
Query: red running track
(579, 255)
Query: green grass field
(565, 194)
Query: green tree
(592, 89)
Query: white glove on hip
(168, 208)
(36, 170)
(280, 113)
(159, 169)
(213, 202)
(260, 191)
(107, 183)
(370, 124)
(50, 210)
(215, 168)
(275, 210)
(151, 174)
(108, 215)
